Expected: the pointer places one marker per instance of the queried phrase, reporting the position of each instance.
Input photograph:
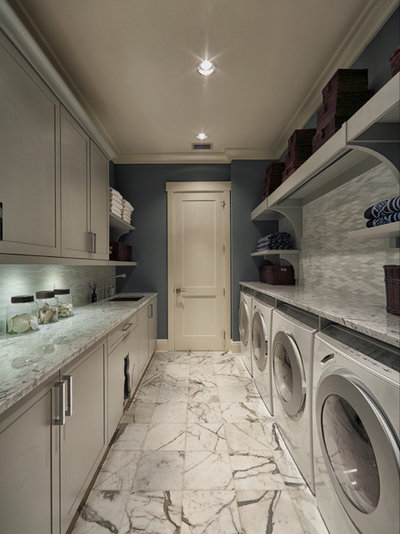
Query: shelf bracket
(386, 152)
(294, 261)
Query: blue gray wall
(144, 187)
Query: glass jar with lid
(22, 315)
(64, 301)
(47, 307)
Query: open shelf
(370, 137)
(21, 259)
(118, 227)
(280, 252)
(377, 232)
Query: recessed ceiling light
(206, 68)
(202, 136)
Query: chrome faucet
(109, 290)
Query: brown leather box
(346, 81)
(395, 61)
(273, 177)
(277, 274)
(120, 252)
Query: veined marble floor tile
(269, 511)
(239, 412)
(165, 437)
(210, 512)
(159, 470)
(255, 470)
(205, 437)
(173, 390)
(102, 513)
(204, 412)
(234, 381)
(207, 471)
(307, 512)
(177, 370)
(200, 394)
(202, 380)
(236, 394)
(155, 512)
(170, 412)
(140, 412)
(230, 368)
(206, 369)
(248, 436)
(131, 437)
(118, 471)
(149, 388)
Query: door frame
(198, 187)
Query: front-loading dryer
(246, 301)
(293, 333)
(356, 432)
(261, 347)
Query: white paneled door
(199, 262)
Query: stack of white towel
(119, 206)
(127, 210)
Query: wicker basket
(277, 274)
(392, 284)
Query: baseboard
(162, 345)
(235, 346)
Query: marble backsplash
(331, 259)
(27, 279)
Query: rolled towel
(275, 241)
(383, 208)
(392, 217)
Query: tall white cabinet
(29, 134)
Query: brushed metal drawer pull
(60, 418)
(127, 327)
(68, 379)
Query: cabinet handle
(68, 380)
(94, 242)
(60, 418)
(127, 327)
(90, 244)
(150, 311)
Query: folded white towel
(116, 203)
(126, 204)
(127, 218)
(116, 212)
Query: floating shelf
(370, 137)
(279, 252)
(377, 232)
(20, 259)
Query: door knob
(180, 290)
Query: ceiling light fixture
(202, 136)
(206, 68)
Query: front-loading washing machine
(293, 333)
(356, 432)
(261, 347)
(246, 301)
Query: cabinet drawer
(121, 331)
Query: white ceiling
(132, 64)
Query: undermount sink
(127, 298)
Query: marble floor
(198, 453)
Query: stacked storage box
(395, 61)
(345, 93)
(299, 150)
(273, 177)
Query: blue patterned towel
(393, 217)
(383, 208)
(275, 241)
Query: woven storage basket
(392, 284)
(277, 274)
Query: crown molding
(192, 157)
(370, 21)
(14, 29)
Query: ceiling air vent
(202, 146)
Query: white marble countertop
(28, 360)
(351, 310)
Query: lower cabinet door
(152, 308)
(143, 335)
(29, 452)
(83, 437)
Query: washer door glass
(288, 373)
(259, 341)
(244, 323)
(350, 453)
(360, 452)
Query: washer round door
(289, 377)
(260, 341)
(361, 453)
(244, 323)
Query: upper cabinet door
(29, 182)
(75, 238)
(99, 218)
